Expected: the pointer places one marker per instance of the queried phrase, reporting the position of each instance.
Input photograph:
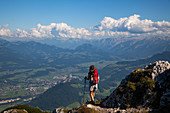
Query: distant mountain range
(55, 96)
(135, 48)
(128, 48)
(36, 55)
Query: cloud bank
(132, 25)
(107, 28)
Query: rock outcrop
(158, 68)
(117, 110)
(148, 87)
(22, 109)
(162, 68)
(16, 111)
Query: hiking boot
(90, 102)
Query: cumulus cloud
(132, 25)
(60, 30)
(108, 27)
(63, 30)
(6, 32)
(21, 33)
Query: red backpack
(96, 76)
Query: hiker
(93, 78)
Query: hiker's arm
(88, 77)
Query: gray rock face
(160, 74)
(158, 68)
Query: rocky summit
(148, 87)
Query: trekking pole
(84, 90)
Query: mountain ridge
(128, 48)
(140, 47)
(34, 54)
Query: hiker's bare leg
(92, 95)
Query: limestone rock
(160, 74)
(16, 111)
(158, 68)
(58, 110)
(118, 110)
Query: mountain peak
(147, 87)
(84, 47)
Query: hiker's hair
(91, 68)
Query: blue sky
(25, 14)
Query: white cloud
(108, 27)
(63, 30)
(21, 33)
(132, 25)
(6, 32)
(60, 30)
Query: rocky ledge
(118, 110)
